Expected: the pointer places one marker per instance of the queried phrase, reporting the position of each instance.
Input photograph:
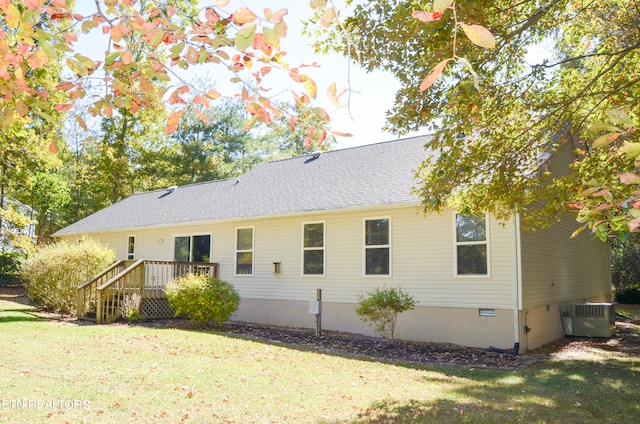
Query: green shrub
(54, 272)
(202, 299)
(629, 295)
(381, 308)
(130, 308)
(10, 267)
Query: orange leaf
(12, 16)
(629, 178)
(634, 225)
(307, 140)
(322, 138)
(327, 16)
(222, 3)
(243, 15)
(127, 58)
(433, 76)
(81, 122)
(172, 122)
(479, 35)
(53, 148)
(213, 94)
(277, 16)
(212, 16)
(426, 16)
(62, 107)
(202, 116)
(32, 4)
(605, 140)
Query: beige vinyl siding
(422, 251)
(557, 268)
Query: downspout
(517, 285)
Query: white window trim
(364, 247)
(191, 236)
(133, 254)
(323, 248)
(463, 243)
(236, 251)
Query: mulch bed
(625, 341)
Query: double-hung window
(131, 247)
(192, 248)
(313, 248)
(377, 246)
(244, 251)
(472, 247)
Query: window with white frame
(313, 248)
(244, 251)
(195, 248)
(131, 247)
(377, 247)
(472, 247)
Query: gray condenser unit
(593, 319)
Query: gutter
(517, 286)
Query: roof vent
(316, 154)
(172, 189)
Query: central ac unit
(593, 319)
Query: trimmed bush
(629, 295)
(202, 299)
(54, 272)
(381, 308)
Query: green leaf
(479, 35)
(111, 57)
(467, 65)
(244, 38)
(271, 37)
(619, 117)
(318, 4)
(441, 5)
(601, 126)
(177, 49)
(156, 38)
(632, 149)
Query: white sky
(373, 93)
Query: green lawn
(59, 372)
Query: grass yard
(60, 372)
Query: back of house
(347, 221)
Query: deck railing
(105, 292)
(88, 292)
(157, 275)
(111, 293)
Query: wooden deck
(100, 297)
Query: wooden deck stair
(99, 298)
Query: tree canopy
(469, 73)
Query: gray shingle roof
(371, 175)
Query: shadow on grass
(15, 306)
(567, 392)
